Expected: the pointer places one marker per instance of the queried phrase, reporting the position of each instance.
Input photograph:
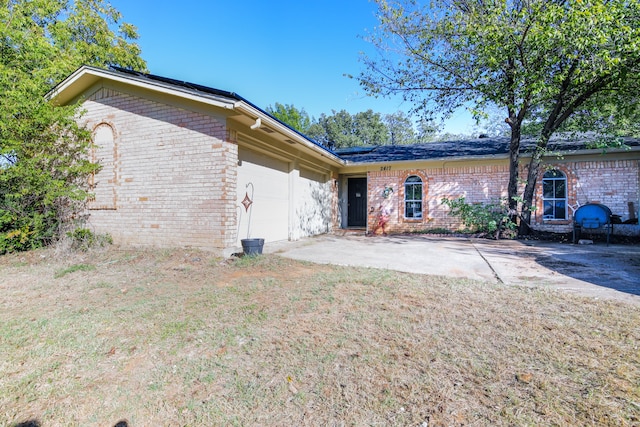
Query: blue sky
(287, 51)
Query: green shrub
(491, 218)
(45, 161)
(83, 239)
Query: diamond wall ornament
(246, 202)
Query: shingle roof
(464, 148)
(193, 87)
(201, 90)
(470, 148)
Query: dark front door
(357, 199)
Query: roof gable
(76, 84)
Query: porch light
(387, 192)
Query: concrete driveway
(599, 271)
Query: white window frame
(559, 176)
(409, 184)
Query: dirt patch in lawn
(177, 337)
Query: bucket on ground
(252, 246)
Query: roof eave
(72, 88)
(267, 120)
(86, 76)
(585, 152)
(432, 159)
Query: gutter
(262, 118)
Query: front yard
(176, 337)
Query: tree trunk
(530, 189)
(514, 157)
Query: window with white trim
(413, 197)
(554, 195)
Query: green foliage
(290, 115)
(511, 54)
(402, 132)
(548, 63)
(83, 239)
(341, 129)
(480, 218)
(44, 164)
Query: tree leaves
(45, 163)
(539, 60)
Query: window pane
(409, 192)
(417, 210)
(408, 210)
(560, 189)
(413, 210)
(560, 211)
(547, 188)
(413, 192)
(413, 197)
(417, 192)
(554, 195)
(553, 174)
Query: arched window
(554, 195)
(104, 181)
(413, 197)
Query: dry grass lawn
(180, 338)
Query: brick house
(188, 165)
(411, 181)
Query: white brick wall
(176, 174)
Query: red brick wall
(613, 183)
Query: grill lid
(592, 215)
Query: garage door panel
(266, 181)
(313, 199)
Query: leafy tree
(43, 152)
(492, 123)
(427, 130)
(290, 115)
(336, 130)
(370, 129)
(400, 128)
(342, 129)
(403, 131)
(551, 58)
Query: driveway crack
(493, 270)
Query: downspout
(257, 124)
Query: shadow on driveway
(595, 270)
(616, 266)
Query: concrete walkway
(599, 271)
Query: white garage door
(266, 181)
